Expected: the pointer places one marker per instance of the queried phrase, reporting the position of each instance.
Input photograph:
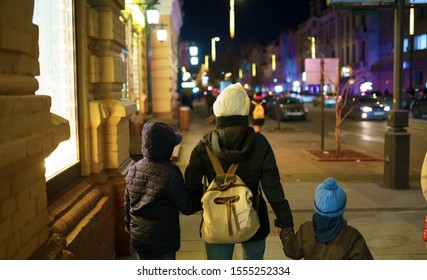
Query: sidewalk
(390, 220)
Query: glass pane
(56, 45)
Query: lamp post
(213, 48)
(152, 17)
(397, 139)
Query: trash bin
(184, 118)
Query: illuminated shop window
(56, 44)
(420, 42)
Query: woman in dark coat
(232, 141)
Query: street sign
(312, 70)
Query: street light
(213, 48)
(313, 46)
(411, 48)
(232, 22)
(162, 33)
(273, 62)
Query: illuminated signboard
(416, 1)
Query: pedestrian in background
(210, 100)
(234, 141)
(257, 112)
(155, 193)
(327, 236)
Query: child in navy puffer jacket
(155, 194)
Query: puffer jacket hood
(232, 140)
(158, 141)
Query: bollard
(396, 151)
(184, 118)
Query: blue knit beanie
(329, 199)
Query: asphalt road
(365, 135)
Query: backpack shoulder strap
(215, 162)
(233, 168)
(253, 102)
(217, 165)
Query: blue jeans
(168, 256)
(251, 250)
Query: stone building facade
(78, 214)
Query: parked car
(307, 97)
(329, 99)
(407, 100)
(287, 108)
(419, 107)
(366, 108)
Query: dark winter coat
(348, 245)
(155, 193)
(234, 141)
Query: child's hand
(286, 230)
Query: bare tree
(341, 99)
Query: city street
(365, 135)
(391, 221)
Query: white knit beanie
(232, 101)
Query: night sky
(258, 21)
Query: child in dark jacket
(155, 193)
(327, 236)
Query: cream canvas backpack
(229, 215)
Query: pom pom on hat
(232, 101)
(329, 199)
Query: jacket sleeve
(180, 195)
(273, 190)
(358, 248)
(292, 244)
(129, 177)
(194, 172)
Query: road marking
(360, 136)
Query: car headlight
(366, 109)
(387, 108)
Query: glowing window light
(194, 60)
(57, 78)
(253, 69)
(194, 51)
(137, 15)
